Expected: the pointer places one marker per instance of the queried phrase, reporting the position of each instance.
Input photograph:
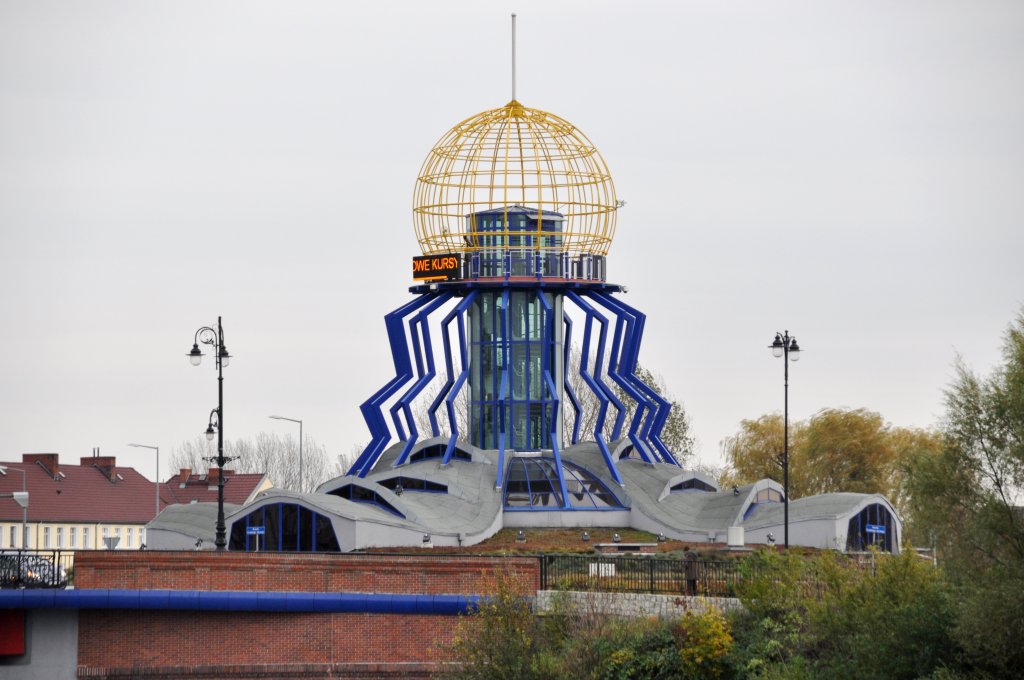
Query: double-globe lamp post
(215, 338)
(785, 346)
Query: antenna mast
(513, 56)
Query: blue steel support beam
(371, 408)
(655, 423)
(459, 310)
(566, 364)
(238, 601)
(547, 341)
(503, 391)
(595, 384)
(622, 372)
(422, 319)
(449, 400)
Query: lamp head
(777, 346)
(794, 350)
(195, 356)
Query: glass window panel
(289, 527)
(272, 539)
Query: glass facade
(528, 244)
(873, 526)
(532, 484)
(519, 345)
(288, 527)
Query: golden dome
(514, 160)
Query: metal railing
(36, 568)
(640, 575)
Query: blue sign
(875, 528)
(260, 531)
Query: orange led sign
(437, 267)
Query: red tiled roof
(80, 493)
(201, 488)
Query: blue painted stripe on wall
(225, 600)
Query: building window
(46, 537)
(130, 537)
(73, 538)
(142, 537)
(117, 536)
(533, 484)
(693, 485)
(60, 537)
(86, 537)
(14, 535)
(286, 527)
(874, 526)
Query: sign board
(446, 267)
(256, 531)
(874, 528)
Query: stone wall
(632, 605)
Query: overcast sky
(850, 171)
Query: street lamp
(295, 420)
(215, 338)
(785, 346)
(21, 498)
(157, 449)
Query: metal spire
(513, 56)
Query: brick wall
(178, 644)
(305, 572)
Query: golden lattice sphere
(514, 158)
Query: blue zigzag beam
(405, 402)
(449, 400)
(459, 310)
(569, 391)
(621, 360)
(655, 421)
(503, 391)
(546, 342)
(371, 408)
(620, 408)
(599, 389)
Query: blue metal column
(547, 343)
(567, 386)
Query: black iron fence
(35, 568)
(639, 575)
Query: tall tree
(971, 499)
(834, 450)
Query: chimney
(107, 465)
(213, 475)
(48, 461)
(184, 474)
